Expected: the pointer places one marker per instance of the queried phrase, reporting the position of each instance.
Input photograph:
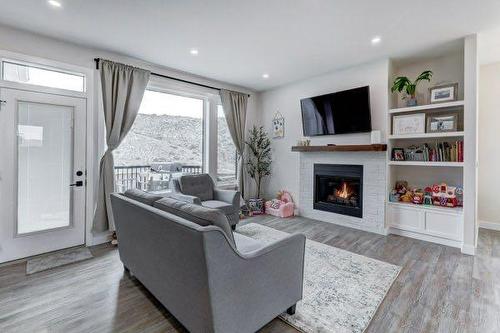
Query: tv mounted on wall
(341, 112)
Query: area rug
(56, 259)
(342, 290)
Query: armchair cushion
(198, 214)
(142, 196)
(229, 196)
(201, 186)
(227, 208)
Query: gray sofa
(210, 279)
(201, 190)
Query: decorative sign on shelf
(408, 124)
(278, 125)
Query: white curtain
(235, 110)
(123, 88)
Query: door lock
(78, 183)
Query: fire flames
(344, 191)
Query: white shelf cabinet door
(406, 219)
(443, 225)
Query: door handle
(78, 183)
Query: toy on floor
(282, 206)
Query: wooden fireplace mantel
(333, 148)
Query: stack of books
(439, 152)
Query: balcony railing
(149, 178)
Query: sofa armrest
(229, 196)
(186, 198)
(294, 244)
(266, 282)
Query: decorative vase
(411, 101)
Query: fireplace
(338, 188)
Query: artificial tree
(259, 156)
(403, 83)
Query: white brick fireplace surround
(374, 188)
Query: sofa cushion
(227, 208)
(142, 196)
(200, 186)
(246, 244)
(195, 213)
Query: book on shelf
(438, 152)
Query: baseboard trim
(489, 225)
(426, 238)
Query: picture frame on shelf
(408, 124)
(442, 123)
(443, 93)
(398, 154)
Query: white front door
(42, 173)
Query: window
(48, 77)
(165, 140)
(226, 151)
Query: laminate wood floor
(438, 290)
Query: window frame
(167, 90)
(210, 99)
(48, 67)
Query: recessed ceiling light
(376, 40)
(54, 3)
(194, 51)
(265, 76)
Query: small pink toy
(283, 206)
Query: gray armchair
(200, 190)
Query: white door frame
(94, 128)
(16, 245)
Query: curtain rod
(97, 60)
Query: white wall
(286, 100)
(30, 44)
(489, 139)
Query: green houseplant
(403, 83)
(258, 161)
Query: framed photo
(278, 126)
(398, 154)
(444, 93)
(442, 123)
(408, 124)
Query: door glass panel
(45, 164)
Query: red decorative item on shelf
(444, 195)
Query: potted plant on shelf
(410, 88)
(258, 163)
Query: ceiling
(239, 41)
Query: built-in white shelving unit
(444, 225)
(428, 107)
(427, 164)
(427, 135)
(456, 210)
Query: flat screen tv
(341, 112)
